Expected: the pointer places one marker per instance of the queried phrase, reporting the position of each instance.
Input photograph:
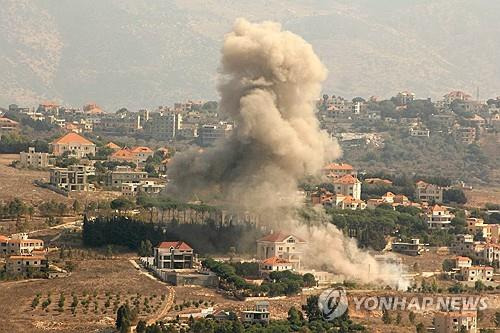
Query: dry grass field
(100, 286)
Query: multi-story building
(462, 262)
(414, 248)
(490, 232)
(337, 170)
(142, 153)
(209, 134)
(8, 125)
(259, 315)
(163, 125)
(476, 273)
(347, 185)
(124, 174)
(26, 264)
(465, 135)
(429, 192)
(283, 246)
(481, 252)
(19, 244)
(33, 159)
(72, 178)
(405, 97)
(439, 218)
(456, 96)
(454, 322)
(174, 255)
(74, 144)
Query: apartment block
(33, 159)
(124, 174)
(174, 255)
(72, 178)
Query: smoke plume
(269, 80)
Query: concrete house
(174, 255)
(450, 322)
(348, 185)
(33, 159)
(282, 246)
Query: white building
(283, 246)
(476, 273)
(19, 244)
(348, 185)
(174, 255)
(439, 218)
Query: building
(348, 202)
(405, 97)
(489, 232)
(209, 134)
(439, 218)
(348, 185)
(72, 178)
(275, 264)
(163, 125)
(466, 135)
(19, 244)
(462, 262)
(456, 96)
(174, 255)
(414, 248)
(476, 273)
(33, 159)
(26, 264)
(481, 252)
(124, 174)
(258, 315)
(421, 133)
(74, 144)
(451, 322)
(337, 170)
(142, 154)
(429, 192)
(283, 246)
(147, 187)
(8, 125)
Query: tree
(497, 318)
(141, 327)
(294, 316)
(121, 204)
(386, 317)
(122, 317)
(312, 309)
(421, 328)
(398, 318)
(309, 280)
(411, 317)
(76, 206)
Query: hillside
(134, 53)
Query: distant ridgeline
(205, 238)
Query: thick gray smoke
(269, 81)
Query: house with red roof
(73, 143)
(274, 264)
(348, 185)
(174, 255)
(283, 246)
(336, 170)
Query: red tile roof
(275, 261)
(179, 245)
(141, 150)
(112, 145)
(72, 137)
(279, 237)
(347, 179)
(338, 166)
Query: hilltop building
(33, 159)
(174, 255)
